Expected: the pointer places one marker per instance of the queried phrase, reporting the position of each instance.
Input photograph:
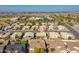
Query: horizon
(39, 8)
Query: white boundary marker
(71, 40)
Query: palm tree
(46, 46)
(27, 47)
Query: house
(15, 35)
(28, 35)
(42, 28)
(50, 27)
(27, 27)
(53, 35)
(4, 35)
(61, 27)
(35, 27)
(66, 35)
(17, 27)
(41, 35)
(8, 28)
(31, 18)
(14, 19)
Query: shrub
(21, 41)
(38, 50)
(52, 49)
(69, 38)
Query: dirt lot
(59, 45)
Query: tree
(69, 38)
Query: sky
(30, 8)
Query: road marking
(77, 48)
